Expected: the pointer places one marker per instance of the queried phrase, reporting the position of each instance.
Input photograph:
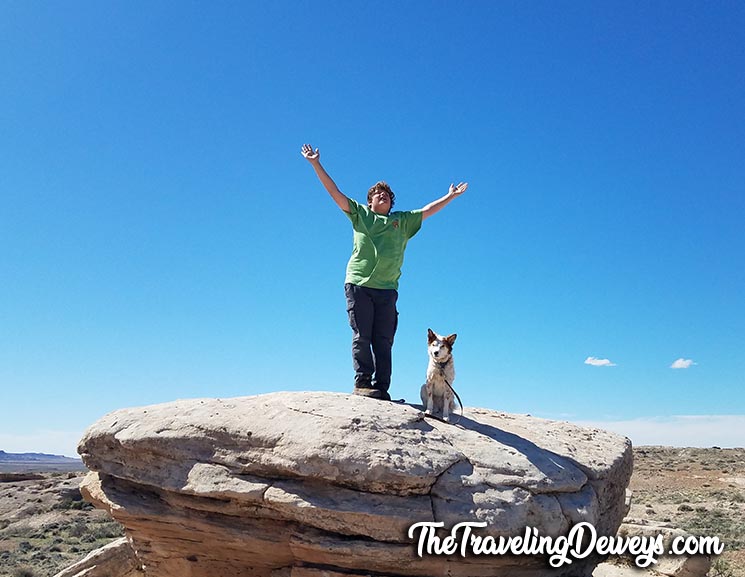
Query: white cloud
(679, 431)
(682, 364)
(596, 362)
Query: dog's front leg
(447, 404)
(430, 398)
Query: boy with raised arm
(371, 283)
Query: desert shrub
(20, 531)
(72, 500)
(728, 495)
(24, 571)
(108, 530)
(721, 568)
(729, 528)
(77, 529)
(677, 498)
(105, 530)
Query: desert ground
(45, 525)
(699, 490)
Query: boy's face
(380, 203)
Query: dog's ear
(431, 336)
(451, 338)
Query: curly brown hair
(380, 186)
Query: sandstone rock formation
(666, 565)
(327, 484)
(117, 559)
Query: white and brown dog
(437, 392)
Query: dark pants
(374, 319)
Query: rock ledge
(324, 484)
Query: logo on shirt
(395, 224)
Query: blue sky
(163, 238)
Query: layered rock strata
(320, 484)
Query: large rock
(666, 565)
(313, 484)
(117, 559)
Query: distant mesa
(45, 457)
(37, 462)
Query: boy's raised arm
(314, 157)
(440, 203)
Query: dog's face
(440, 348)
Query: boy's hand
(309, 154)
(459, 189)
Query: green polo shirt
(379, 244)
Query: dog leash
(457, 396)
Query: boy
(371, 283)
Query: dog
(437, 392)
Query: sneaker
(369, 392)
(377, 394)
(363, 382)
